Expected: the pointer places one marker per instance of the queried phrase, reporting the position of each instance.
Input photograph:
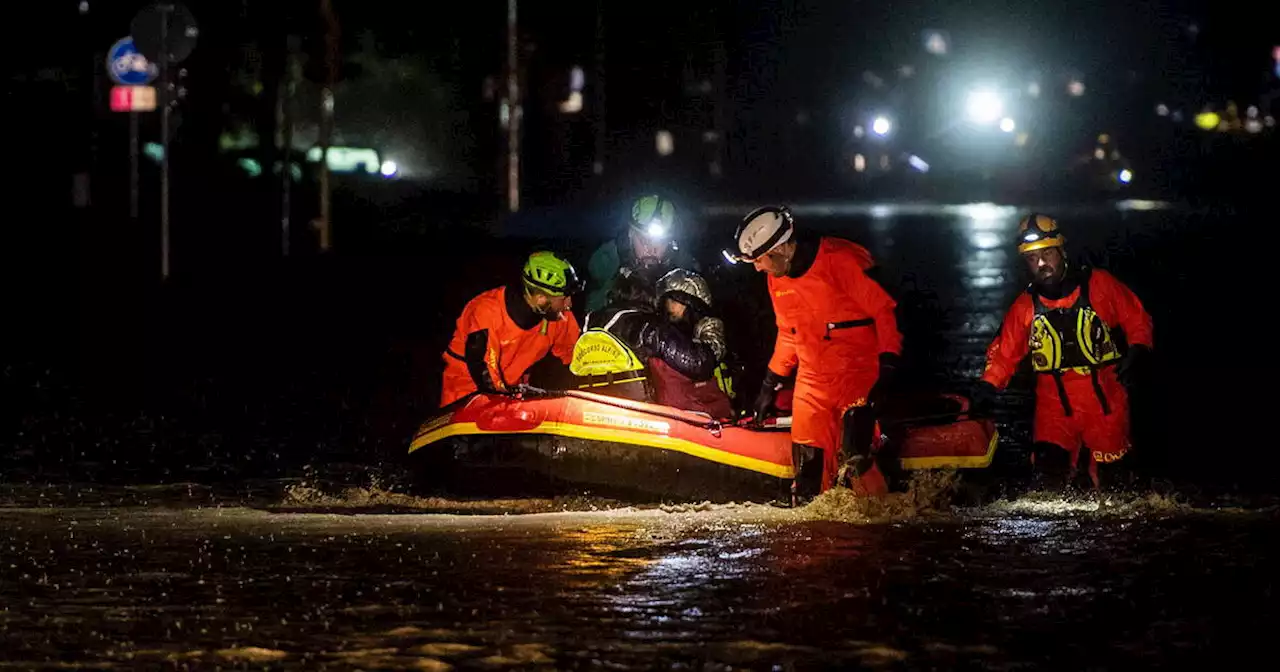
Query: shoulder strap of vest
(1086, 273)
(614, 320)
(1037, 305)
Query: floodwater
(184, 562)
(1039, 583)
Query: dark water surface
(1040, 586)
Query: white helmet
(762, 230)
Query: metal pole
(326, 119)
(513, 110)
(286, 172)
(598, 88)
(133, 165)
(164, 140)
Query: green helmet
(654, 216)
(547, 273)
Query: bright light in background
(656, 230)
(858, 131)
(389, 169)
(1125, 176)
(935, 42)
(1034, 89)
(577, 79)
(1208, 120)
(1162, 110)
(881, 126)
(572, 104)
(859, 162)
(664, 143)
(1075, 88)
(1007, 125)
(918, 163)
(984, 107)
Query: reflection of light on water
(985, 240)
(1142, 205)
(983, 213)
(881, 211)
(670, 586)
(984, 282)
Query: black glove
(764, 399)
(888, 373)
(982, 398)
(1130, 366)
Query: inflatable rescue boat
(549, 442)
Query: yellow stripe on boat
(619, 435)
(954, 461)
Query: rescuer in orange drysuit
(1065, 321)
(837, 332)
(505, 331)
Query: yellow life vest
(1070, 339)
(724, 380)
(602, 359)
(1073, 339)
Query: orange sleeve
(784, 360)
(871, 299)
(1118, 305)
(1011, 344)
(480, 326)
(566, 338)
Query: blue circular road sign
(127, 66)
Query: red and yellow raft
(553, 441)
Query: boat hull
(574, 442)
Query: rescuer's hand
(764, 398)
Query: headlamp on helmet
(654, 217)
(760, 232)
(1037, 232)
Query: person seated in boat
(704, 384)
(622, 343)
(506, 330)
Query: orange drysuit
(500, 337)
(1096, 408)
(833, 324)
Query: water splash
(929, 494)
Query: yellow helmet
(1037, 232)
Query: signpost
(132, 72)
(166, 33)
(133, 99)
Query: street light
(881, 126)
(984, 107)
